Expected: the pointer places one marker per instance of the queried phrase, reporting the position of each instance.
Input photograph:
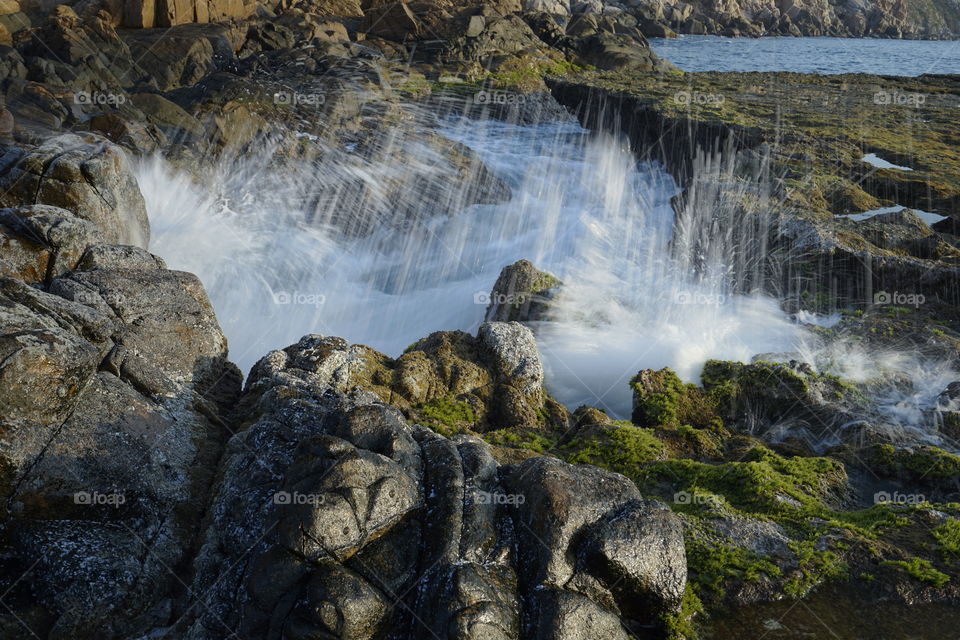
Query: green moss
(712, 565)
(445, 415)
(622, 449)
(929, 461)
(528, 440)
(679, 626)
(948, 537)
(763, 483)
(869, 523)
(526, 74)
(814, 566)
(660, 398)
(921, 570)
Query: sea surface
(811, 55)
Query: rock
(521, 293)
(563, 615)
(39, 242)
(135, 136)
(448, 380)
(560, 501)
(339, 8)
(165, 315)
(393, 21)
(89, 177)
(656, 30)
(512, 352)
(174, 57)
(176, 124)
(607, 51)
(109, 256)
(554, 7)
(475, 26)
(648, 582)
(115, 444)
(147, 14)
(764, 394)
(372, 507)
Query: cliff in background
(916, 19)
(911, 19)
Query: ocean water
(811, 55)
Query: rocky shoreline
(148, 491)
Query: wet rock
(522, 293)
(645, 583)
(171, 58)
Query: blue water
(810, 55)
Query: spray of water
(288, 251)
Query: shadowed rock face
(112, 385)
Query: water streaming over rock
(292, 251)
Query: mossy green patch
(529, 440)
(446, 416)
(815, 566)
(921, 570)
(948, 538)
(712, 565)
(764, 483)
(660, 398)
(680, 625)
(622, 449)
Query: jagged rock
(763, 395)
(40, 242)
(560, 500)
(171, 58)
(432, 533)
(512, 351)
(393, 21)
(522, 293)
(89, 177)
(114, 446)
(493, 380)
